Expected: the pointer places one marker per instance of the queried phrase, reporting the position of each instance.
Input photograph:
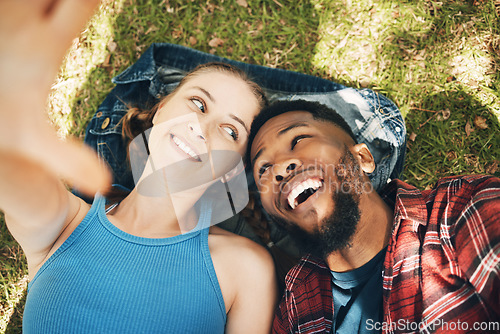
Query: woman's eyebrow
(206, 92)
(239, 120)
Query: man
(398, 261)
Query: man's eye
(199, 104)
(297, 139)
(231, 131)
(263, 169)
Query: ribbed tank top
(103, 280)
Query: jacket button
(98, 114)
(105, 123)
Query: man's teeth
(185, 148)
(300, 188)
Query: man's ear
(365, 157)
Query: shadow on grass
(453, 134)
(265, 35)
(453, 116)
(15, 325)
(435, 57)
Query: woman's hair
(138, 120)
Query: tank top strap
(205, 223)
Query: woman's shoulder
(245, 259)
(233, 245)
(247, 277)
(77, 210)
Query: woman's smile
(184, 148)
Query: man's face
(308, 178)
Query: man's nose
(285, 169)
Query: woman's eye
(297, 139)
(199, 105)
(232, 132)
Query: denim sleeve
(104, 132)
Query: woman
(136, 268)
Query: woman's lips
(185, 148)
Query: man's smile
(299, 192)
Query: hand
(35, 35)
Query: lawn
(437, 60)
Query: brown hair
(137, 120)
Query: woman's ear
(365, 157)
(159, 106)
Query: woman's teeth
(185, 148)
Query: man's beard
(336, 231)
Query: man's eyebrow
(293, 126)
(239, 120)
(257, 156)
(280, 133)
(206, 92)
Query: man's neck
(372, 235)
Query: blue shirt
(103, 280)
(357, 297)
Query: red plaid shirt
(441, 270)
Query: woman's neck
(154, 217)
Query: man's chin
(333, 233)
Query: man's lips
(300, 188)
(184, 148)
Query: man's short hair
(317, 110)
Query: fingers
(75, 163)
(79, 165)
(68, 18)
(35, 34)
(41, 8)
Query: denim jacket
(374, 119)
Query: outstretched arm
(35, 35)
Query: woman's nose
(195, 131)
(285, 169)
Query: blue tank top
(103, 280)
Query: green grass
(437, 60)
(13, 281)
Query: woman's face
(208, 115)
